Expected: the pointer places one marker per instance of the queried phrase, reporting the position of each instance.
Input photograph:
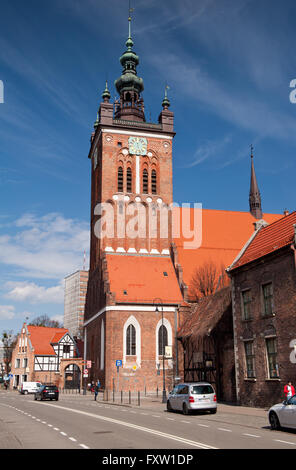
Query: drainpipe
(84, 357)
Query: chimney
(286, 212)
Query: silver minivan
(192, 396)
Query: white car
(283, 414)
(192, 396)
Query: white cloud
(49, 247)
(7, 312)
(32, 293)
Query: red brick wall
(280, 269)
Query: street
(78, 422)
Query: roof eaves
(243, 250)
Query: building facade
(74, 301)
(264, 304)
(40, 352)
(141, 261)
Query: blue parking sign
(118, 363)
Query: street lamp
(159, 301)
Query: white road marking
(56, 429)
(72, 439)
(136, 427)
(285, 442)
(223, 429)
(250, 435)
(84, 446)
(63, 433)
(203, 425)
(183, 421)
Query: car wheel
(169, 406)
(35, 398)
(185, 409)
(26, 392)
(213, 411)
(274, 421)
(56, 399)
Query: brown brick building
(141, 264)
(264, 305)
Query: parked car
(283, 414)
(195, 396)
(29, 387)
(50, 392)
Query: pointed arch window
(131, 341)
(162, 340)
(145, 181)
(129, 180)
(120, 179)
(153, 182)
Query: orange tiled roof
(141, 279)
(268, 239)
(41, 338)
(224, 233)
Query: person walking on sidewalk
(96, 390)
(289, 390)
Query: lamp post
(159, 301)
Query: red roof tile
(224, 233)
(41, 338)
(269, 239)
(141, 279)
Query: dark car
(47, 392)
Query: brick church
(141, 264)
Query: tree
(208, 278)
(44, 320)
(9, 341)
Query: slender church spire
(254, 197)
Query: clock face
(137, 145)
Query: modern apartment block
(74, 301)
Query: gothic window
(129, 180)
(153, 182)
(131, 341)
(145, 181)
(162, 340)
(120, 180)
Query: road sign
(119, 363)
(88, 364)
(85, 372)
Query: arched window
(129, 179)
(120, 179)
(153, 182)
(131, 341)
(145, 181)
(162, 340)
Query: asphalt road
(78, 422)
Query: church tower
(132, 276)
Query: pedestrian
(96, 390)
(289, 390)
(5, 385)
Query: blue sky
(229, 64)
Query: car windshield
(201, 389)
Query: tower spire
(129, 86)
(254, 196)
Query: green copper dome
(129, 81)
